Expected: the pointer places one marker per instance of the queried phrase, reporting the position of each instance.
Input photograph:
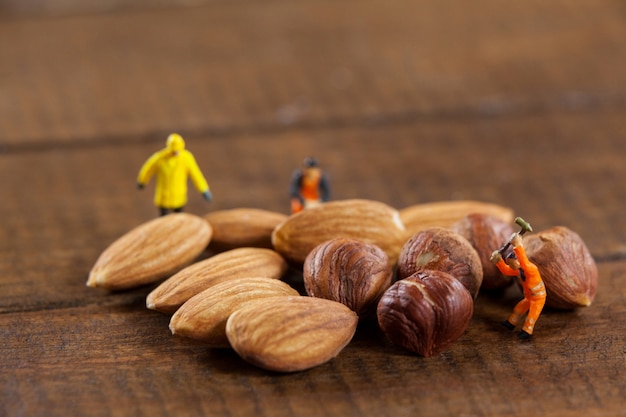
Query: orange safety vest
(528, 275)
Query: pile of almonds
(417, 271)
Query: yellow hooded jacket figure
(172, 166)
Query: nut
(288, 334)
(229, 265)
(203, 316)
(348, 271)
(150, 252)
(444, 213)
(486, 232)
(426, 312)
(243, 227)
(442, 250)
(365, 220)
(567, 269)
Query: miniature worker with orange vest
(309, 186)
(172, 166)
(517, 264)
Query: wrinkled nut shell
(229, 265)
(486, 233)
(426, 312)
(444, 213)
(289, 334)
(243, 227)
(567, 268)
(203, 317)
(150, 252)
(348, 271)
(365, 220)
(442, 250)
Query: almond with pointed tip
(151, 251)
(288, 334)
(243, 227)
(229, 265)
(203, 317)
(369, 221)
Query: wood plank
(245, 66)
(402, 102)
(121, 360)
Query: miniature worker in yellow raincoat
(172, 166)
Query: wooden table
(515, 103)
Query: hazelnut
(486, 232)
(568, 270)
(426, 312)
(442, 250)
(348, 271)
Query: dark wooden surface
(517, 103)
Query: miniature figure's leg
(536, 305)
(296, 206)
(163, 210)
(518, 312)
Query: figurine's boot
(508, 325)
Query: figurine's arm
(496, 258)
(324, 188)
(148, 168)
(196, 175)
(296, 183)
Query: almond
(229, 265)
(444, 213)
(243, 227)
(369, 221)
(289, 334)
(151, 251)
(203, 316)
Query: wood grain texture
(123, 361)
(402, 102)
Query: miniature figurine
(172, 166)
(517, 264)
(309, 186)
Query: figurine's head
(511, 260)
(175, 142)
(311, 170)
(310, 162)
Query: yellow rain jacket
(172, 166)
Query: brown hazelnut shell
(567, 268)
(349, 271)
(426, 312)
(486, 233)
(442, 249)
